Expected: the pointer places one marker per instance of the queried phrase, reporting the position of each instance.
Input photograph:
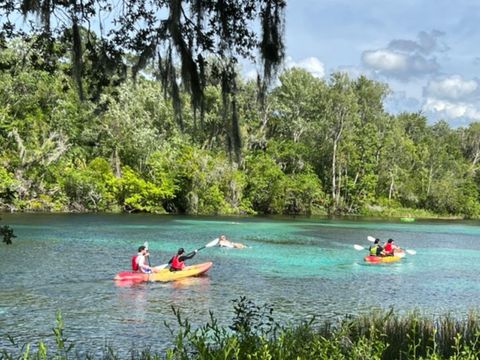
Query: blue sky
(426, 51)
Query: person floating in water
(223, 242)
(177, 261)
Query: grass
(401, 212)
(255, 335)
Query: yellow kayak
(381, 259)
(164, 275)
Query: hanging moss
(191, 32)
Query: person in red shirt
(389, 248)
(177, 262)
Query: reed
(255, 335)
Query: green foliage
(265, 188)
(7, 233)
(136, 194)
(8, 186)
(314, 146)
(255, 334)
(88, 187)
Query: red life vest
(176, 264)
(134, 263)
(388, 248)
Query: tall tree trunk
(334, 172)
(77, 51)
(392, 186)
(430, 176)
(116, 162)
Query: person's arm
(187, 256)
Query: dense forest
(138, 105)
(308, 146)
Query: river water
(301, 267)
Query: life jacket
(373, 250)
(135, 263)
(388, 248)
(176, 264)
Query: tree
(295, 104)
(159, 32)
(339, 118)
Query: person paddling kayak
(138, 261)
(376, 249)
(177, 261)
(389, 248)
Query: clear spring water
(302, 267)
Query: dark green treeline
(316, 146)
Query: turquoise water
(302, 267)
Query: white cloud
(405, 59)
(453, 87)
(450, 109)
(385, 60)
(311, 64)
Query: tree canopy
(85, 125)
(100, 35)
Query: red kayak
(164, 275)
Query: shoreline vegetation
(373, 213)
(316, 147)
(255, 334)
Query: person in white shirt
(223, 242)
(141, 260)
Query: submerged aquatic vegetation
(255, 334)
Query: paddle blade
(145, 244)
(411, 252)
(358, 247)
(370, 238)
(160, 267)
(212, 243)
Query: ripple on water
(302, 268)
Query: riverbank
(254, 333)
(373, 212)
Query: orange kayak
(164, 275)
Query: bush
(255, 334)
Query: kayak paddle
(210, 244)
(146, 248)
